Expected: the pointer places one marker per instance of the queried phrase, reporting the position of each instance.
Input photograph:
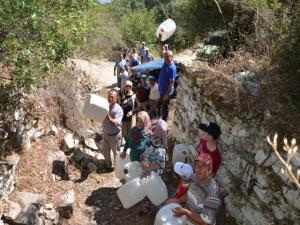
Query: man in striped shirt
(202, 200)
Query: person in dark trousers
(129, 106)
(166, 81)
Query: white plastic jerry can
(131, 193)
(96, 107)
(120, 165)
(165, 216)
(180, 153)
(166, 29)
(155, 188)
(132, 170)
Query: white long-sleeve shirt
(154, 93)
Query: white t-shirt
(154, 93)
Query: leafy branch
(291, 150)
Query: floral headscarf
(161, 134)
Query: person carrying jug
(138, 137)
(153, 159)
(166, 82)
(112, 126)
(202, 199)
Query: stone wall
(254, 190)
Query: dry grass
(63, 99)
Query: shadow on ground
(112, 86)
(108, 209)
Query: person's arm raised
(161, 44)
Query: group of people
(198, 192)
(146, 92)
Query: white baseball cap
(184, 170)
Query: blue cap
(152, 78)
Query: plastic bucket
(120, 165)
(155, 188)
(165, 216)
(131, 193)
(132, 170)
(96, 108)
(180, 153)
(166, 29)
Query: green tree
(139, 26)
(36, 36)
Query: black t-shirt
(128, 104)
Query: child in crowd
(209, 144)
(185, 172)
(154, 97)
(153, 159)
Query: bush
(103, 34)
(139, 26)
(36, 37)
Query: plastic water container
(96, 108)
(166, 29)
(132, 170)
(131, 193)
(180, 153)
(155, 188)
(165, 216)
(120, 165)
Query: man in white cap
(147, 56)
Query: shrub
(138, 26)
(36, 36)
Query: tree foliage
(36, 36)
(139, 26)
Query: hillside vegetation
(38, 36)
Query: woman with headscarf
(154, 159)
(139, 137)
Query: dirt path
(101, 71)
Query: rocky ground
(49, 166)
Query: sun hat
(184, 170)
(128, 83)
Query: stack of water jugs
(136, 188)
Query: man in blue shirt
(166, 82)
